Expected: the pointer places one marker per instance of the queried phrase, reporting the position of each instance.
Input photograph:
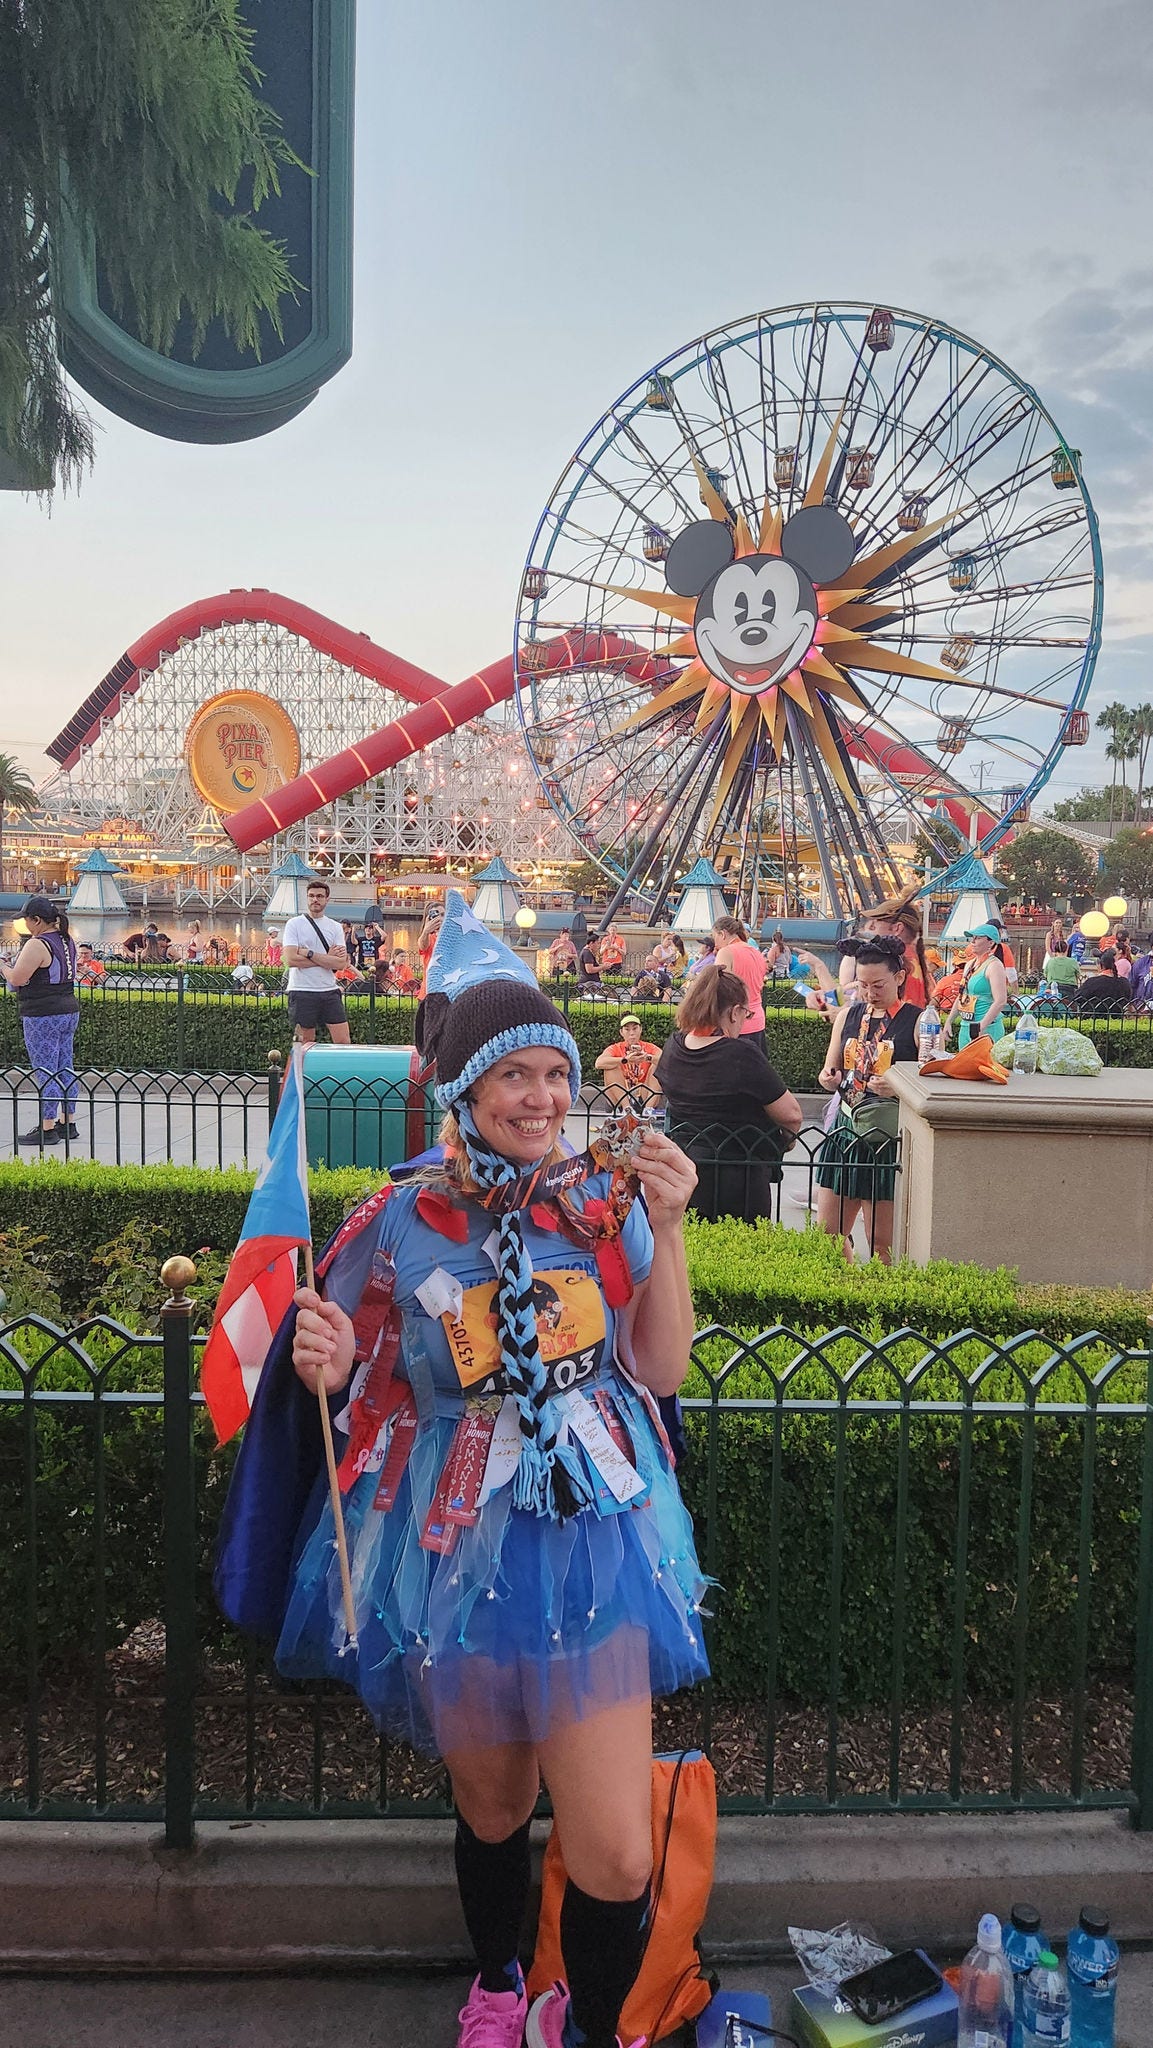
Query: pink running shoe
(492, 2019)
(546, 2021)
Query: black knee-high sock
(493, 1879)
(602, 1941)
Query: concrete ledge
(281, 1895)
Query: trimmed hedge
(224, 1033)
(77, 1205)
(746, 1277)
(751, 1275)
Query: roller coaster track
(436, 710)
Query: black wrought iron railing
(934, 1566)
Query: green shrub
(741, 1559)
(73, 1233)
(750, 1275)
(78, 1206)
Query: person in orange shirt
(89, 969)
(612, 951)
(628, 1064)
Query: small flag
(261, 1279)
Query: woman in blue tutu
(523, 1571)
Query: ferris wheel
(793, 575)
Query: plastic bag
(1061, 1050)
(828, 1958)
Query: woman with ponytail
(897, 917)
(43, 975)
(523, 1572)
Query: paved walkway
(351, 2011)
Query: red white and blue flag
(261, 1279)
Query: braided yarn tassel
(549, 1478)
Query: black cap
(1026, 1919)
(1094, 1922)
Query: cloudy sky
(552, 195)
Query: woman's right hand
(830, 1078)
(324, 1337)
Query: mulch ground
(259, 1739)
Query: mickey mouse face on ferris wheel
(756, 617)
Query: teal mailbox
(304, 50)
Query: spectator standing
(1124, 953)
(43, 975)
(275, 949)
(1077, 945)
(314, 949)
(706, 957)
(193, 946)
(748, 964)
(984, 989)
(727, 1107)
(896, 917)
(856, 1167)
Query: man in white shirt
(313, 949)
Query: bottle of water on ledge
(1025, 1046)
(986, 1991)
(928, 1034)
(1046, 2005)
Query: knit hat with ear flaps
(482, 1003)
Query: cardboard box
(828, 2023)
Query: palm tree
(1114, 718)
(17, 793)
(1141, 727)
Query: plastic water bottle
(1045, 2018)
(1025, 1044)
(928, 1034)
(1022, 1941)
(986, 1991)
(1092, 1957)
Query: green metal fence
(907, 1533)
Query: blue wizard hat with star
(482, 1002)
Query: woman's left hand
(880, 1085)
(667, 1177)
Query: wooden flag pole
(333, 1481)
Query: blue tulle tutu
(528, 1625)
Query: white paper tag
(623, 1480)
(491, 1249)
(503, 1451)
(441, 1295)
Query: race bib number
(570, 1328)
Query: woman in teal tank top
(984, 990)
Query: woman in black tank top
(43, 976)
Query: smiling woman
(523, 1567)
